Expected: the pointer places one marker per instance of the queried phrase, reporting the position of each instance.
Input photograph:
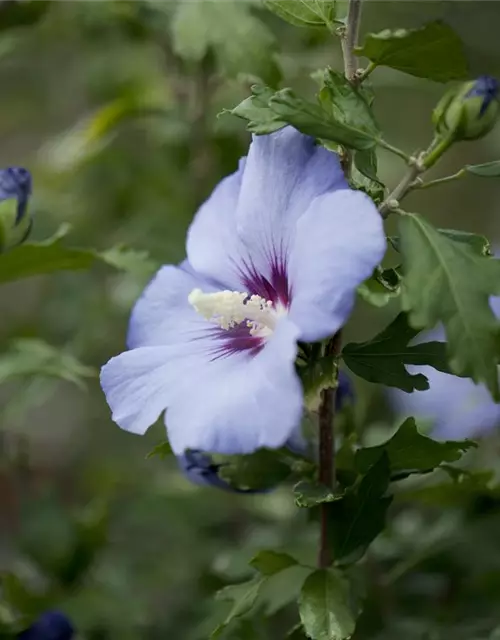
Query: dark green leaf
(486, 170)
(260, 470)
(255, 109)
(243, 597)
(319, 121)
(383, 359)
(357, 519)
(241, 42)
(49, 256)
(433, 51)
(410, 450)
(466, 485)
(381, 287)
(162, 450)
(270, 562)
(451, 282)
(310, 494)
(304, 13)
(349, 107)
(324, 607)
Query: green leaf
(269, 563)
(357, 519)
(260, 470)
(311, 494)
(162, 450)
(31, 356)
(382, 360)
(49, 256)
(243, 597)
(486, 170)
(477, 242)
(433, 51)
(304, 13)
(450, 282)
(349, 107)
(324, 607)
(241, 42)
(410, 450)
(381, 287)
(35, 258)
(255, 109)
(364, 175)
(317, 121)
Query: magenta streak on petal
(276, 288)
(235, 340)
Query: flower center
(229, 309)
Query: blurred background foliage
(114, 108)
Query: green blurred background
(122, 136)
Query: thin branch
(398, 193)
(327, 453)
(349, 40)
(439, 181)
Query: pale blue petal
(163, 315)
(239, 404)
(212, 245)
(284, 172)
(250, 218)
(455, 407)
(339, 241)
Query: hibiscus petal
(163, 315)
(239, 404)
(456, 407)
(212, 243)
(339, 242)
(248, 222)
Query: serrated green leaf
(381, 287)
(49, 256)
(324, 607)
(479, 243)
(30, 356)
(311, 494)
(382, 360)
(255, 109)
(260, 470)
(450, 282)
(269, 563)
(161, 450)
(315, 120)
(486, 170)
(243, 597)
(433, 51)
(348, 106)
(357, 519)
(241, 42)
(304, 13)
(410, 450)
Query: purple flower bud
(469, 112)
(51, 625)
(15, 182)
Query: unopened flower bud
(15, 190)
(469, 112)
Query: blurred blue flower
(345, 391)
(52, 625)
(15, 182)
(455, 407)
(274, 256)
